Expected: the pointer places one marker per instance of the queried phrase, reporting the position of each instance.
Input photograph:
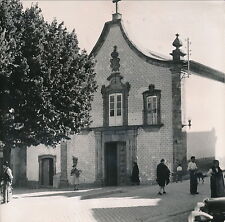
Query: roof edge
(196, 67)
(206, 71)
(101, 38)
(134, 48)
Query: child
(179, 173)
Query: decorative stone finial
(177, 42)
(151, 88)
(177, 53)
(115, 61)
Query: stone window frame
(152, 92)
(106, 91)
(115, 86)
(115, 108)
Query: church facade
(137, 116)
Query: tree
(50, 81)
(12, 66)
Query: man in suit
(192, 168)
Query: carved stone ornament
(151, 88)
(177, 53)
(115, 61)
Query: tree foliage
(46, 81)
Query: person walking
(75, 173)
(179, 173)
(135, 174)
(163, 174)
(216, 180)
(7, 179)
(192, 168)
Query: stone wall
(19, 166)
(152, 146)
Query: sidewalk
(108, 204)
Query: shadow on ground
(133, 203)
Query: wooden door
(47, 172)
(111, 164)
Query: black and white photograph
(112, 111)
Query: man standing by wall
(7, 181)
(192, 168)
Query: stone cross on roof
(116, 1)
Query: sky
(151, 25)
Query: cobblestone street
(111, 204)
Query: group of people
(162, 173)
(216, 178)
(163, 177)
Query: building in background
(139, 112)
(204, 103)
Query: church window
(115, 96)
(151, 106)
(152, 110)
(115, 109)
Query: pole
(188, 55)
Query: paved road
(123, 204)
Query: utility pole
(188, 57)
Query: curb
(101, 194)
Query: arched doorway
(46, 170)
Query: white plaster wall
(83, 147)
(32, 160)
(204, 104)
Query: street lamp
(189, 124)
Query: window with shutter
(152, 110)
(151, 102)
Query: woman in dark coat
(163, 175)
(216, 180)
(135, 175)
